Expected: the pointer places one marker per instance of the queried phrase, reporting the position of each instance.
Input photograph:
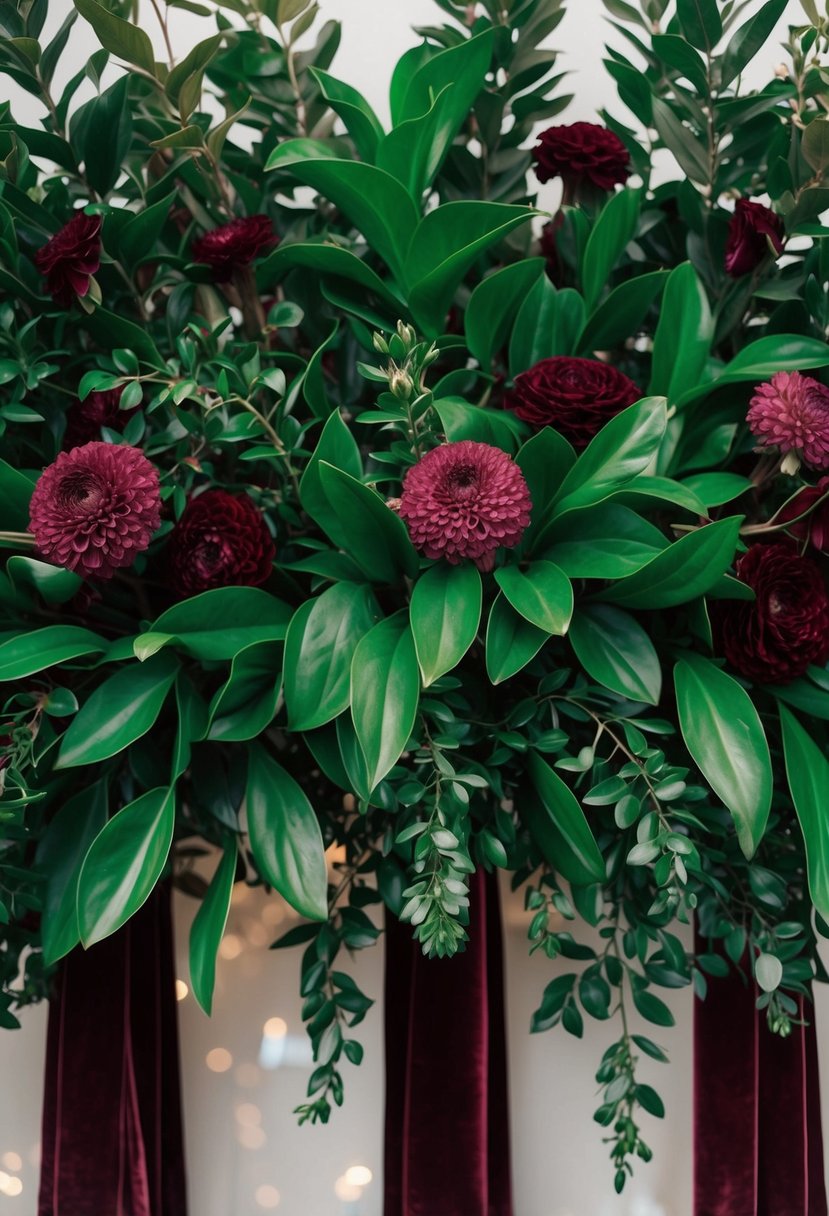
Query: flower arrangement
(412, 519)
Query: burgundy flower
(574, 396)
(812, 503)
(71, 257)
(581, 152)
(465, 499)
(791, 412)
(84, 419)
(221, 540)
(234, 244)
(95, 508)
(774, 638)
(751, 228)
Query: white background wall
(241, 1135)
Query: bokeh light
(250, 1137)
(248, 1115)
(275, 1028)
(267, 1196)
(219, 1059)
(181, 990)
(12, 1161)
(230, 946)
(346, 1190)
(358, 1175)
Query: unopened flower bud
(379, 343)
(406, 334)
(400, 383)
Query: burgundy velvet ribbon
(758, 1149)
(112, 1129)
(447, 1150)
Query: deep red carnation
(95, 508)
(234, 244)
(574, 396)
(84, 419)
(812, 503)
(221, 540)
(751, 228)
(774, 638)
(70, 258)
(465, 500)
(579, 152)
(791, 413)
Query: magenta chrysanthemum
(465, 500)
(95, 508)
(791, 413)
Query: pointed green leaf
(385, 691)
(614, 650)
(688, 568)
(621, 450)
(41, 648)
(558, 825)
(218, 624)
(376, 536)
(607, 242)
(60, 855)
(511, 641)
(683, 336)
(209, 926)
(445, 613)
(493, 306)
(541, 593)
(337, 447)
(807, 770)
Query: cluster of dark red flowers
(234, 245)
(221, 540)
(71, 258)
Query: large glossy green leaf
(337, 447)
(445, 612)
(246, 703)
(750, 38)
(621, 450)
(615, 651)
(385, 690)
(123, 38)
(321, 641)
(445, 245)
(463, 66)
(54, 584)
(208, 927)
(60, 856)
(331, 262)
(545, 460)
(723, 732)
(548, 324)
(124, 863)
(611, 234)
(700, 22)
(41, 648)
(192, 723)
(374, 201)
(541, 593)
(493, 305)
(807, 770)
(375, 536)
(106, 135)
(558, 825)
(218, 624)
(683, 336)
(688, 568)
(621, 314)
(605, 541)
(15, 495)
(120, 710)
(761, 359)
(285, 836)
(361, 122)
(413, 151)
(511, 641)
(461, 420)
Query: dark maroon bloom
(234, 244)
(751, 229)
(96, 508)
(84, 419)
(812, 503)
(773, 639)
(221, 540)
(71, 257)
(574, 396)
(580, 152)
(465, 499)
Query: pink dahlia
(235, 244)
(95, 508)
(791, 413)
(465, 500)
(71, 257)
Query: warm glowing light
(267, 1197)
(241, 893)
(14, 1186)
(358, 1175)
(231, 946)
(12, 1161)
(346, 1190)
(273, 913)
(250, 1137)
(248, 1114)
(181, 990)
(256, 933)
(248, 1076)
(275, 1028)
(219, 1059)
(4, 1179)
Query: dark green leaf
(208, 927)
(493, 305)
(445, 612)
(376, 536)
(607, 242)
(385, 690)
(615, 651)
(41, 648)
(807, 770)
(558, 825)
(129, 42)
(621, 450)
(683, 336)
(61, 854)
(688, 568)
(511, 641)
(218, 624)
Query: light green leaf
(246, 703)
(615, 651)
(385, 691)
(41, 648)
(361, 122)
(558, 825)
(208, 927)
(445, 612)
(464, 421)
(511, 641)
(541, 593)
(621, 450)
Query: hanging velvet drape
(447, 1149)
(757, 1130)
(112, 1130)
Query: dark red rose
(70, 258)
(581, 152)
(234, 244)
(221, 540)
(751, 228)
(574, 396)
(813, 528)
(84, 419)
(774, 638)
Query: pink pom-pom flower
(791, 413)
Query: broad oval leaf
(611, 233)
(60, 856)
(558, 825)
(445, 612)
(54, 584)
(615, 651)
(218, 624)
(493, 305)
(376, 536)
(285, 836)
(246, 703)
(124, 863)
(461, 421)
(511, 641)
(337, 447)
(723, 732)
(385, 691)
(208, 927)
(41, 648)
(622, 312)
(807, 770)
(605, 541)
(541, 593)
(683, 337)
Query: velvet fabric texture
(112, 1129)
(757, 1129)
(447, 1149)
